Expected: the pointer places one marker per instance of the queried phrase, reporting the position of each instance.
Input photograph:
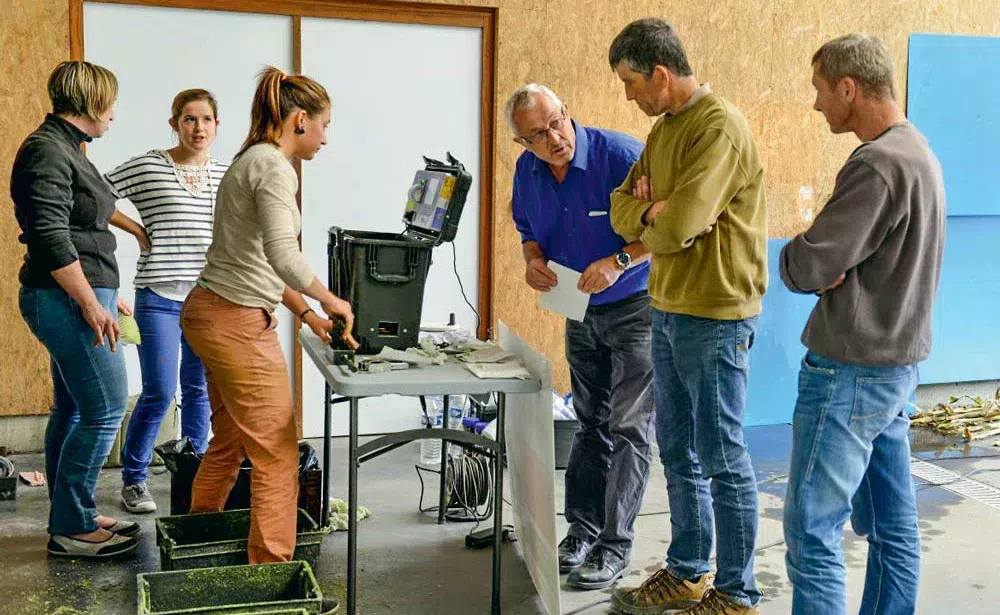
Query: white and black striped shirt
(177, 220)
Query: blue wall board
(967, 311)
(777, 351)
(966, 322)
(953, 97)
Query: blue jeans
(701, 372)
(851, 458)
(89, 395)
(159, 321)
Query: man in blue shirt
(561, 200)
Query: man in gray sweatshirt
(873, 255)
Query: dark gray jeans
(611, 375)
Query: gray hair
(524, 98)
(647, 43)
(863, 58)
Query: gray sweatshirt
(884, 227)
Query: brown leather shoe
(717, 603)
(660, 592)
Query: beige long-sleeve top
(255, 250)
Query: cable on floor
(469, 484)
(6, 468)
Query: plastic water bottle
(430, 449)
(456, 412)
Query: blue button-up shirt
(570, 220)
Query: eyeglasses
(538, 136)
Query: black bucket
(564, 432)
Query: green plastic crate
(206, 540)
(229, 590)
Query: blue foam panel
(967, 311)
(952, 97)
(777, 351)
(966, 323)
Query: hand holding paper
(565, 298)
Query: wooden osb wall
(754, 52)
(34, 37)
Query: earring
(300, 130)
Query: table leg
(324, 517)
(352, 511)
(443, 492)
(498, 502)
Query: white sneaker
(137, 499)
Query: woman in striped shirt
(174, 192)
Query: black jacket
(63, 205)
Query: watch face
(623, 259)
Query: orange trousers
(252, 417)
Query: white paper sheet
(565, 298)
(510, 369)
(493, 354)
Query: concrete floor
(410, 565)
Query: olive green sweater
(703, 164)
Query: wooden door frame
(484, 18)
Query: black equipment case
(383, 275)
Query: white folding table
(452, 378)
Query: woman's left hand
(124, 307)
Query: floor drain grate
(956, 483)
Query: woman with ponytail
(254, 263)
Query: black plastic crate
(207, 540)
(261, 588)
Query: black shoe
(572, 553)
(602, 568)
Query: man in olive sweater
(873, 255)
(700, 169)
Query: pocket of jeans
(816, 386)
(808, 366)
(28, 304)
(745, 337)
(878, 400)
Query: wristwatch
(623, 259)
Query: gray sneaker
(137, 499)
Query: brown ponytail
(276, 97)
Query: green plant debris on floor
(76, 598)
(971, 418)
(338, 514)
